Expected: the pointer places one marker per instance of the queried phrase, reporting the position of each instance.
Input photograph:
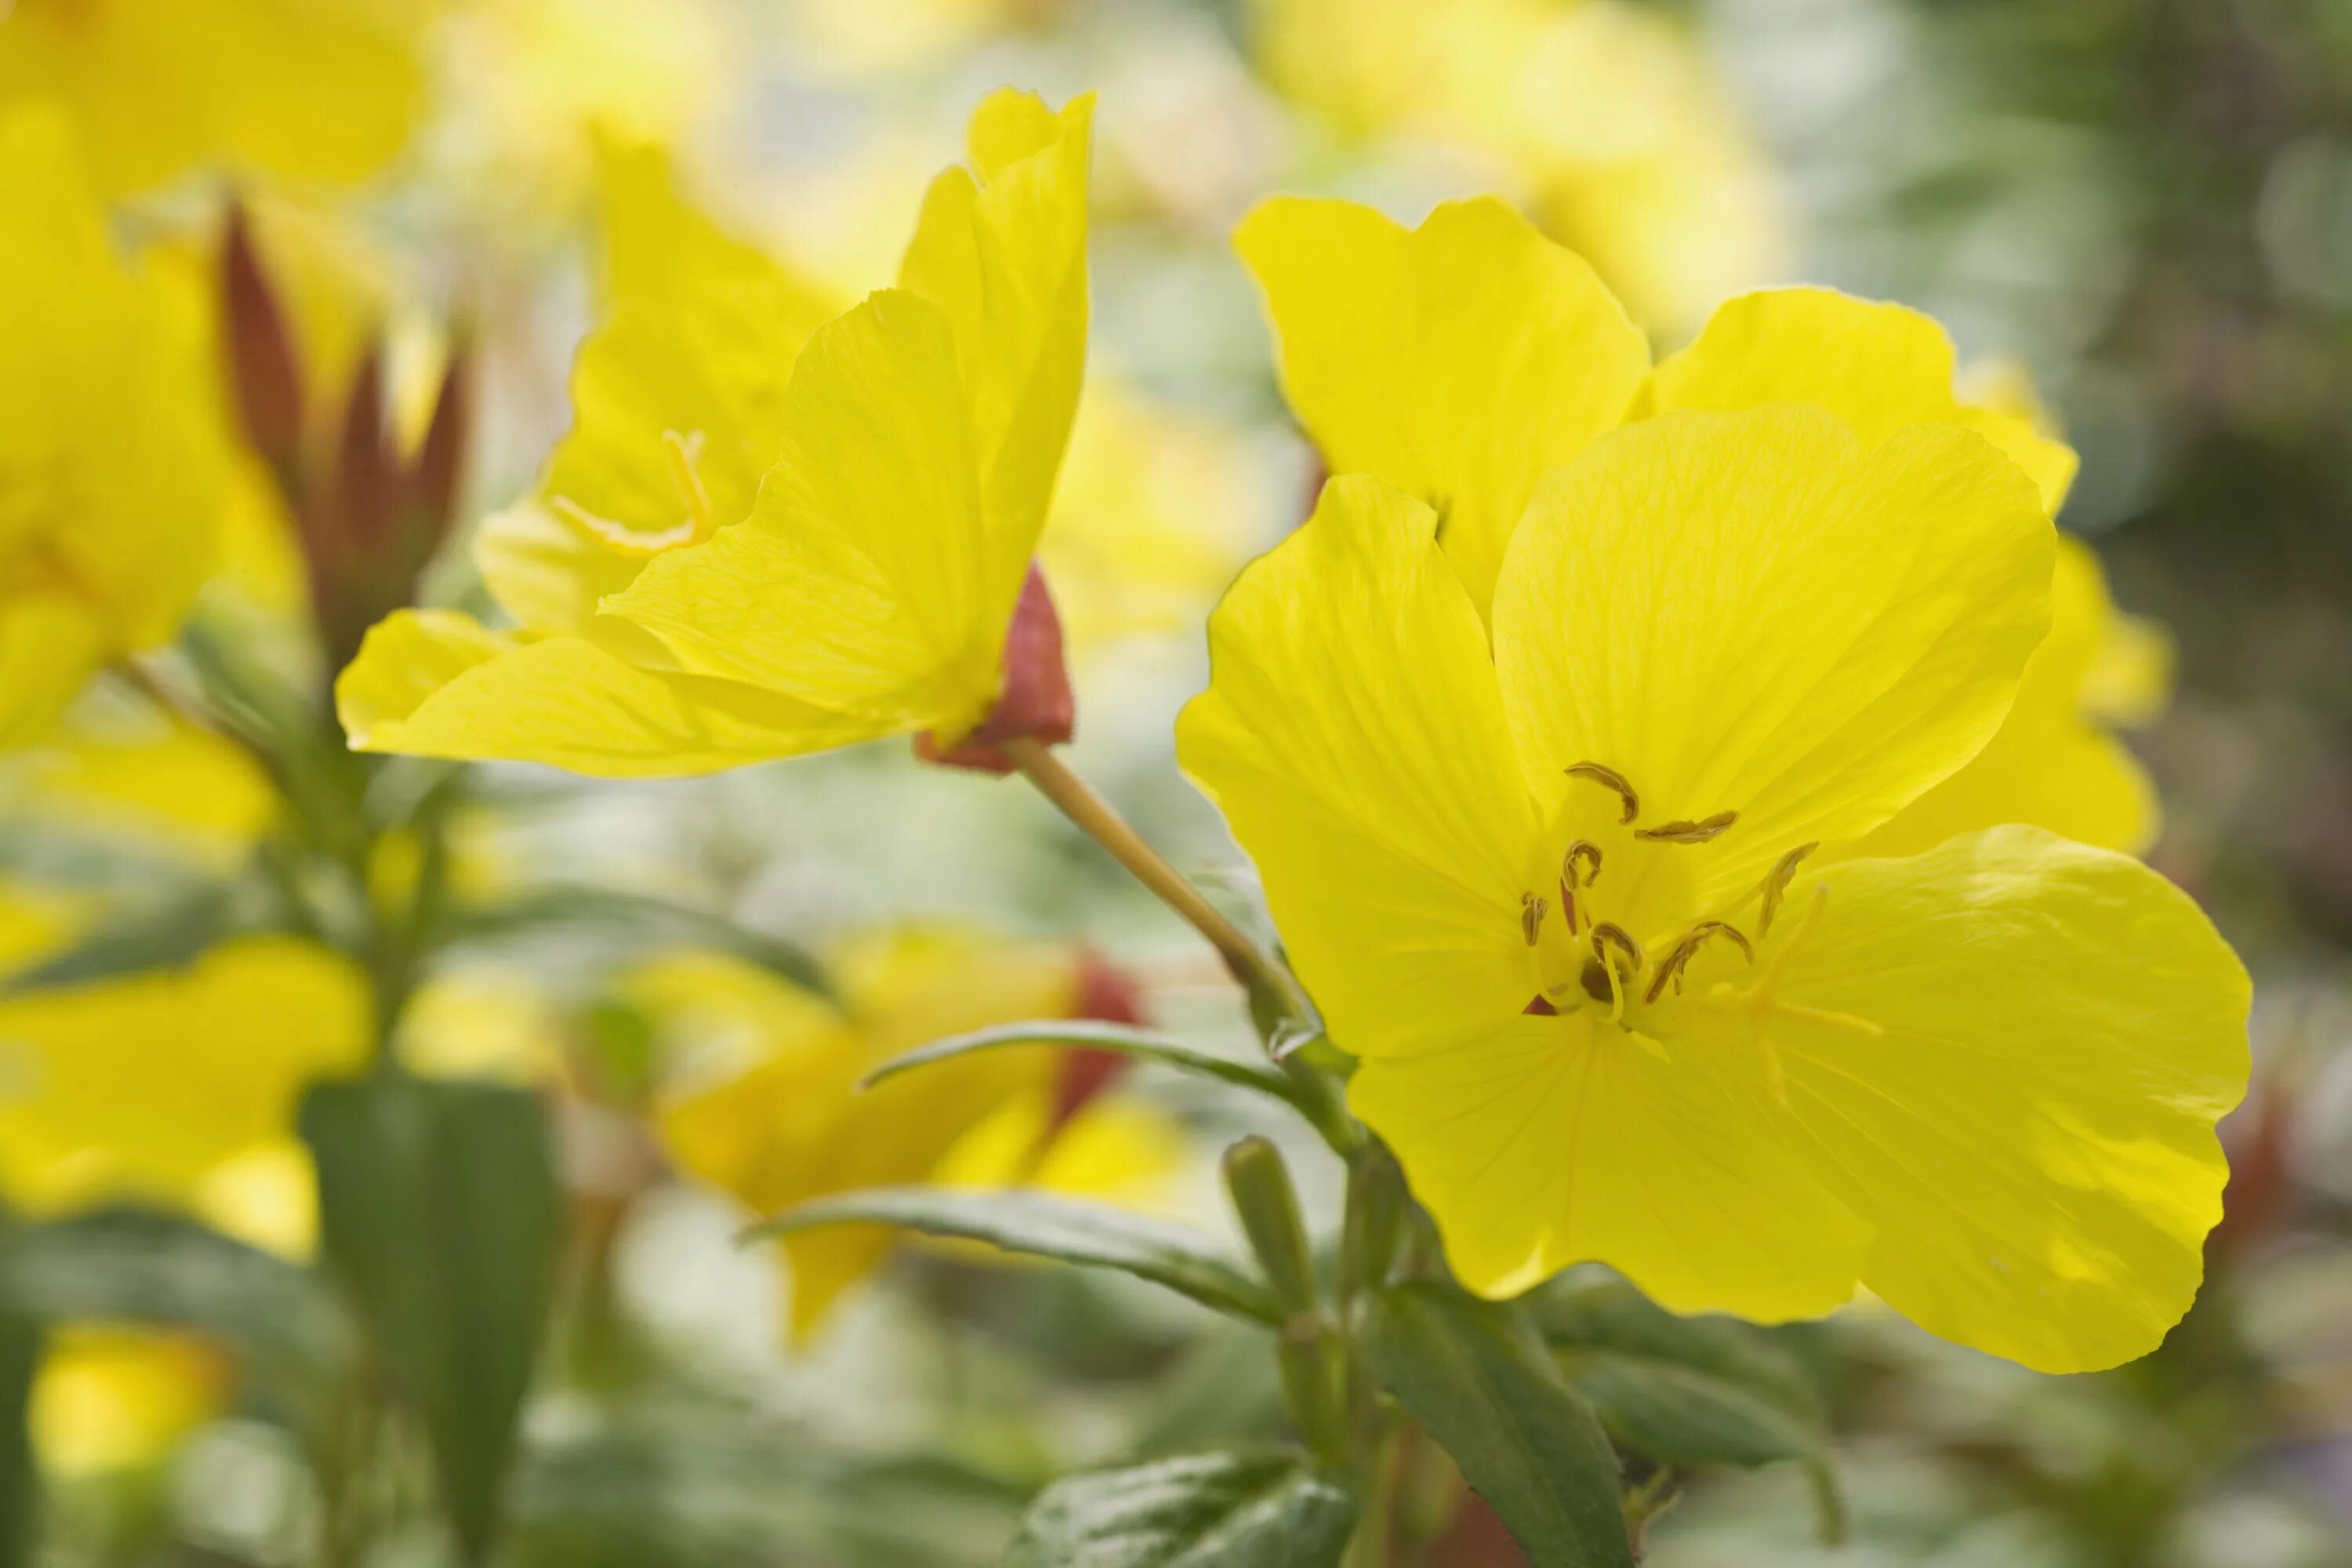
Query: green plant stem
(1096, 817)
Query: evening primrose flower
(1567, 881)
(1464, 360)
(727, 563)
(293, 88)
(111, 454)
(765, 1102)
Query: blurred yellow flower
(765, 1102)
(1559, 892)
(112, 451)
(1464, 360)
(155, 1087)
(679, 616)
(175, 791)
(1158, 506)
(1607, 118)
(313, 90)
(112, 1397)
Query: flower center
(1614, 916)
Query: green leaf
(1139, 1044)
(1490, 1395)
(134, 1264)
(20, 1358)
(165, 934)
(441, 1216)
(1042, 1226)
(637, 921)
(1683, 1390)
(1247, 1508)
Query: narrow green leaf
(441, 1216)
(168, 933)
(1139, 1044)
(1042, 1226)
(637, 920)
(1684, 1390)
(1244, 1509)
(1525, 1441)
(20, 1357)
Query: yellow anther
(1685, 832)
(1687, 949)
(681, 452)
(1532, 910)
(1611, 779)
(1587, 853)
(1776, 884)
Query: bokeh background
(2145, 206)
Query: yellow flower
(1157, 507)
(765, 1103)
(111, 452)
(1605, 119)
(1464, 360)
(1572, 897)
(729, 563)
(180, 792)
(176, 1087)
(306, 89)
(111, 1397)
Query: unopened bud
(1268, 1205)
(265, 374)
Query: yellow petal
(1751, 612)
(1459, 361)
(1003, 254)
(50, 644)
(548, 570)
(92, 1107)
(1876, 366)
(2050, 765)
(1353, 736)
(113, 461)
(289, 88)
(434, 684)
(862, 582)
(111, 1397)
(699, 339)
(2008, 1054)
(1555, 1140)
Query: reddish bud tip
(1036, 703)
(265, 375)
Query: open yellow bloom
(111, 452)
(1465, 360)
(304, 90)
(1572, 896)
(727, 563)
(766, 1106)
(1604, 119)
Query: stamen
(1686, 832)
(1687, 949)
(1776, 884)
(1608, 934)
(1532, 908)
(1611, 779)
(630, 542)
(1585, 850)
(680, 452)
